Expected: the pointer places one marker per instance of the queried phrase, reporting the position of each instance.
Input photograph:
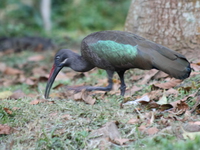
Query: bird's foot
(123, 90)
(88, 88)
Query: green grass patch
(45, 125)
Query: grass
(45, 126)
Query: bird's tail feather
(178, 68)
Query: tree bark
(45, 8)
(172, 23)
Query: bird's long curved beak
(54, 71)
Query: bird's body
(118, 51)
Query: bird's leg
(123, 85)
(97, 88)
(107, 88)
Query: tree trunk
(45, 8)
(172, 23)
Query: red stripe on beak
(52, 70)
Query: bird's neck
(79, 64)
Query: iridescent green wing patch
(115, 53)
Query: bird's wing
(110, 48)
(116, 53)
(126, 50)
(128, 38)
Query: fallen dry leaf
(174, 104)
(187, 89)
(84, 96)
(66, 117)
(36, 58)
(187, 115)
(152, 130)
(39, 71)
(12, 71)
(189, 96)
(109, 130)
(8, 111)
(103, 136)
(150, 105)
(67, 94)
(43, 79)
(196, 122)
(78, 76)
(78, 96)
(163, 121)
(37, 101)
(34, 102)
(155, 95)
(142, 127)
(196, 106)
(132, 90)
(171, 91)
(148, 118)
(190, 135)
(5, 129)
(164, 107)
(148, 76)
(195, 66)
(71, 74)
(120, 141)
(58, 95)
(6, 83)
(17, 94)
(59, 86)
(32, 95)
(29, 82)
(193, 74)
(167, 85)
(133, 121)
(87, 98)
(136, 77)
(61, 76)
(191, 127)
(160, 74)
(197, 109)
(181, 108)
(21, 78)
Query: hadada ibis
(118, 51)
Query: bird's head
(61, 60)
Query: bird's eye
(57, 57)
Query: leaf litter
(84, 96)
(105, 136)
(5, 129)
(155, 111)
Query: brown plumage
(118, 51)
